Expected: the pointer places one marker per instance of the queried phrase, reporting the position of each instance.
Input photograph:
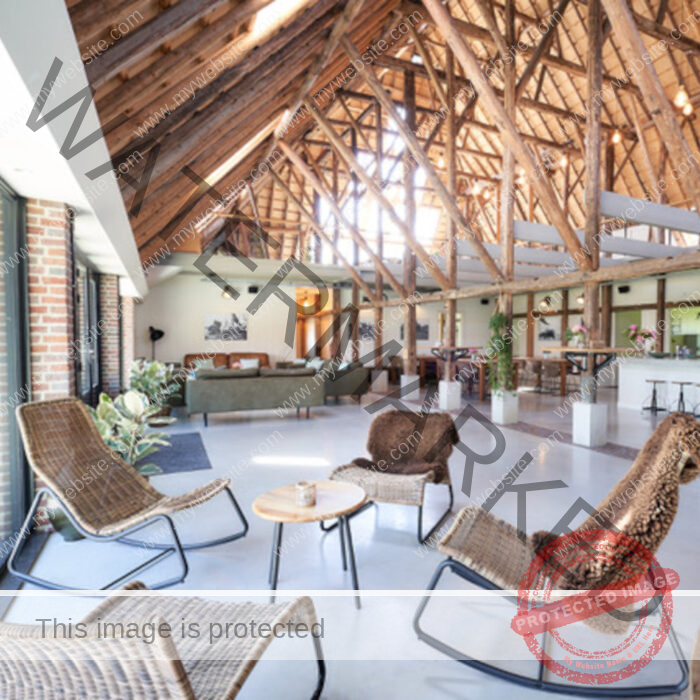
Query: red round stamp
(575, 564)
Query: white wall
(178, 307)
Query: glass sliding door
(14, 477)
(87, 319)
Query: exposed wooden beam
(658, 31)
(303, 168)
(447, 200)
(427, 63)
(143, 41)
(663, 114)
(624, 271)
(486, 11)
(375, 191)
(540, 50)
(339, 28)
(474, 31)
(309, 218)
(543, 189)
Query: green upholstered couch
(223, 390)
(353, 380)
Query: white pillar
(380, 384)
(450, 395)
(407, 379)
(590, 424)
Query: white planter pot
(504, 407)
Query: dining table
(563, 369)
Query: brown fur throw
(643, 503)
(399, 444)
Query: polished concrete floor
(374, 652)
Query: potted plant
(123, 425)
(578, 334)
(644, 339)
(504, 398)
(156, 381)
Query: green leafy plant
(155, 380)
(501, 345)
(123, 425)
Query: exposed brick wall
(127, 308)
(109, 334)
(50, 300)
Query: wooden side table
(334, 499)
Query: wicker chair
(50, 667)
(389, 432)
(495, 555)
(105, 498)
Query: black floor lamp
(156, 335)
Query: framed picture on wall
(366, 330)
(548, 329)
(422, 331)
(226, 326)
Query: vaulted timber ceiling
(211, 80)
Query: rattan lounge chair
(105, 498)
(48, 667)
(389, 435)
(495, 555)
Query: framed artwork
(226, 326)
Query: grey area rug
(186, 453)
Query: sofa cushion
(316, 363)
(235, 357)
(225, 373)
(290, 372)
(220, 359)
(249, 363)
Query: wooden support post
(378, 281)
(564, 315)
(592, 190)
(317, 237)
(451, 165)
(409, 258)
(606, 314)
(530, 340)
(507, 190)
(355, 254)
(492, 105)
(334, 193)
(660, 313)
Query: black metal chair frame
(526, 681)
(165, 550)
(421, 539)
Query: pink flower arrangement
(637, 335)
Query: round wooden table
(334, 499)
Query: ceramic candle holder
(306, 493)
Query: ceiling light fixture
(580, 299)
(616, 136)
(688, 109)
(545, 305)
(681, 98)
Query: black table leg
(341, 534)
(275, 558)
(345, 524)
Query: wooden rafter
(507, 128)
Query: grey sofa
(353, 380)
(223, 390)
